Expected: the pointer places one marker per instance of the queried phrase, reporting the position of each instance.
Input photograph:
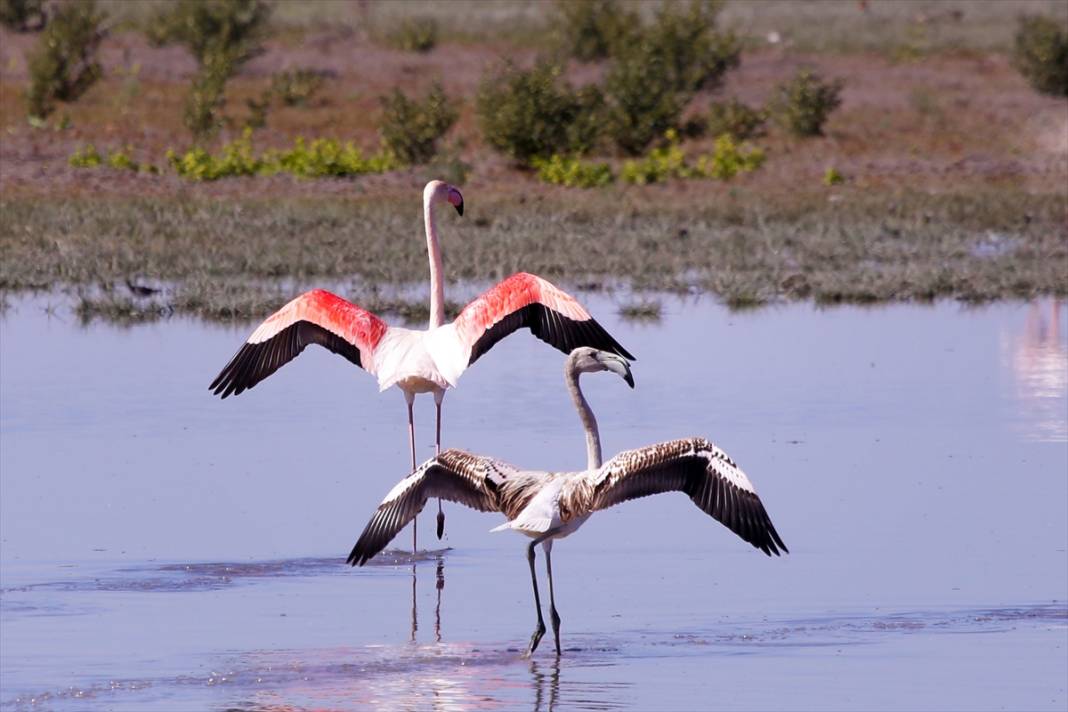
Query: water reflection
(476, 676)
(415, 609)
(1038, 358)
(439, 677)
(543, 681)
(439, 585)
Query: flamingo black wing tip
(618, 348)
(609, 342)
(359, 555)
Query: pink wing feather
(315, 317)
(526, 300)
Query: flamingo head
(585, 359)
(439, 190)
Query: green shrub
(257, 110)
(236, 159)
(296, 87)
(590, 29)
(641, 106)
(832, 176)
(203, 106)
(411, 128)
(660, 164)
(121, 160)
(64, 64)
(587, 123)
(528, 113)
(1041, 54)
(803, 104)
(22, 15)
(329, 157)
(572, 171)
(320, 158)
(735, 119)
(414, 34)
(89, 157)
(213, 29)
(655, 74)
(728, 159)
(86, 157)
(221, 35)
(684, 39)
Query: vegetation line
(239, 259)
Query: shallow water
(160, 549)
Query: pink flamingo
(416, 361)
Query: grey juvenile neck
(593, 438)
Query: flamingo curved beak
(618, 365)
(456, 200)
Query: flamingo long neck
(437, 283)
(593, 437)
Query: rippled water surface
(161, 549)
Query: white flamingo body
(405, 358)
(415, 361)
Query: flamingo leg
(437, 451)
(410, 398)
(540, 629)
(553, 615)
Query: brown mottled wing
(453, 475)
(699, 469)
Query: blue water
(162, 549)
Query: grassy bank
(241, 258)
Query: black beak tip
(460, 208)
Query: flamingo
(548, 505)
(416, 361)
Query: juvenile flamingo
(552, 505)
(416, 361)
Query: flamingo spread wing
(315, 317)
(693, 466)
(454, 475)
(526, 300)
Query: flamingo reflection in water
(439, 586)
(541, 681)
(1038, 357)
(548, 505)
